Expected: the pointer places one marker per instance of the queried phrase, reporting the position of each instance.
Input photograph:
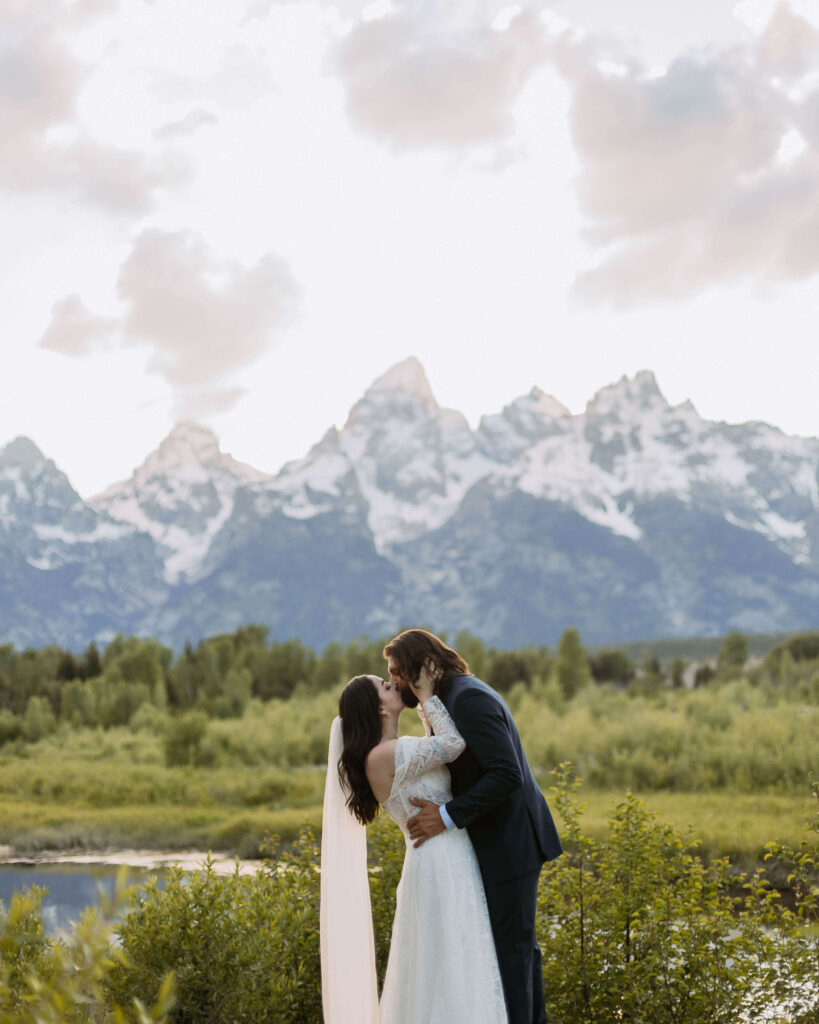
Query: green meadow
(227, 743)
(224, 748)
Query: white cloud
(199, 318)
(419, 77)
(74, 330)
(788, 46)
(42, 143)
(703, 172)
(683, 180)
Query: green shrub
(637, 927)
(38, 720)
(183, 736)
(386, 849)
(45, 981)
(633, 926)
(11, 727)
(243, 948)
(24, 948)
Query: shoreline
(145, 860)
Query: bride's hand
(424, 686)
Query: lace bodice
(420, 765)
(441, 919)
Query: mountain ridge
(632, 518)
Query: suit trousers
(512, 910)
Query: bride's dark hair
(360, 711)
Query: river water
(71, 888)
(76, 883)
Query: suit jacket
(495, 796)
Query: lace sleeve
(419, 754)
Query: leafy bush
(637, 927)
(38, 720)
(183, 736)
(24, 948)
(243, 948)
(386, 849)
(801, 647)
(633, 927)
(611, 666)
(44, 981)
(11, 727)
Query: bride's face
(389, 695)
(398, 680)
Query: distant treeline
(220, 675)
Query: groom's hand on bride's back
(426, 823)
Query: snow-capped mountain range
(633, 519)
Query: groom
(496, 798)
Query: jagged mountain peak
(181, 495)
(32, 477)
(639, 392)
(189, 448)
(188, 439)
(634, 518)
(191, 454)
(407, 378)
(520, 424)
(546, 404)
(22, 451)
(35, 495)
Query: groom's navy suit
(496, 798)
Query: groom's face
(398, 680)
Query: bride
(442, 966)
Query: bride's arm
(444, 728)
(421, 753)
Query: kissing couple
(477, 829)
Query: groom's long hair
(413, 648)
(360, 711)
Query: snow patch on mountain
(182, 495)
(104, 530)
(407, 460)
(405, 464)
(405, 378)
(520, 424)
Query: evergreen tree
(473, 650)
(677, 671)
(91, 664)
(611, 667)
(331, 669)
(67, 667)
(733, 653)
(572, 665)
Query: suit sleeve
(480, 720)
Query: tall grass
(734, 758)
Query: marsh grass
(724, 824)
(734, 761)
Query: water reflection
(71, 888)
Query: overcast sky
(243, 211)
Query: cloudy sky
(243, 211)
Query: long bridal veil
(349, 991)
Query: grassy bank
(726, 824)
(733, 761)
(32, 828)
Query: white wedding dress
(442, 966)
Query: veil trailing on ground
(349, 991)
